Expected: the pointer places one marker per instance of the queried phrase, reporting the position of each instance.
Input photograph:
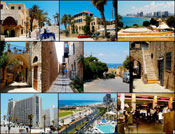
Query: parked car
(83, 36)
(126, 77)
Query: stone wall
(36, 49)
(73, 58)
(49, 65)
(159, 50)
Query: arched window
(35, 59)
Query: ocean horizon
(63, 103)
(129, 21)
(113, 65)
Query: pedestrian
(65, 72)
(29, 33)
(8, 33)
(37, 34)
(160, 114)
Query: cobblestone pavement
(18, 87)
(61, 84)
(139, 86)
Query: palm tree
(56, 17)
(64, 20)
(115, 5)
(33, 12)
(88, 20)
(30, 117)
(44, 117)
(99, 4)
(2, 47)
(3, 63)
(10, 119)
(41, 17)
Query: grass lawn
(64, 113)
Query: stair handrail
(144, 64)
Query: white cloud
(156, 6)
(100, 54)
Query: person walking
(65, 72)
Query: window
(12, 7)
(73, 48)
(19, 7)
(1, 6)
(168, 61)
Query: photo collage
(87, 67)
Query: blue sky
(74, 7)
(51, 7)
(84, 96)
(108, 52)
(125, 7)
(18, 45)
(47, 100)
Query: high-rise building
(19, 110)
(107, 99)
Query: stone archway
(20, 58)
(9, 21)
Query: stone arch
(9, 21)
(138, 70)
(19, 57)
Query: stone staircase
(61, 84)
(151, 75)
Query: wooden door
(35, 80)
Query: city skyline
(85, 96)
(145, 7)
(46, 103)
(42, 5)
(116, 53)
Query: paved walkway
(18, 87)
(109, 85)
(63, 38)
(139, 86)
(61, 84)
(54, 29)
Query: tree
(33, 12)
(30, 117)
(146, 23)
(135, 25)
(88, 20)
(115, 5)
(41, 17)
(53, 122)
(62, 121)
(154, 22)
(93, 68)
(3, 63)
(99, 4)
(56, 17)
(126, 63)
(66, 19)
(171, 21)
(2, 47)
(44, 117)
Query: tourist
(29, 33)
(65, 72)
(37, 34)
(8, 33)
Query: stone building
(49, 65)
(15, 19)
(79, 22)
(36, 65)
(154, 62)
(76, 50)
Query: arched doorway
(35, 73)
(12, 33)
(137, 70)
(9, 23)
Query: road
(73, 126)
(109, 85)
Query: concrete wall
(49, 65)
